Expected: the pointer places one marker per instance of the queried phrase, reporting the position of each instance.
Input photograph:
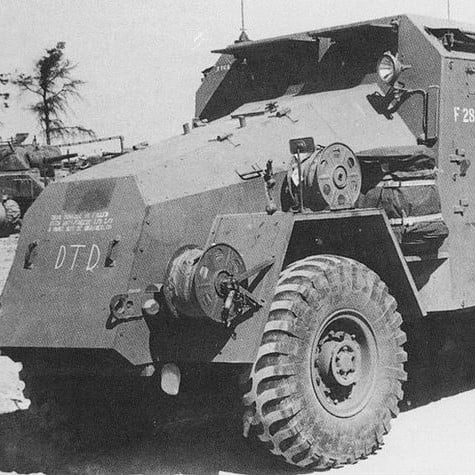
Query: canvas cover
(403, 182)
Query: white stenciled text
(73, 256)
(98, 221)
(464, 114)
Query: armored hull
(220, 246)
(158, 200)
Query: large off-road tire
(328, 375)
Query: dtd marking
(68, 256)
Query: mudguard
(364, 235)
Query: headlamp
(389, 68)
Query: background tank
(25, 169)
(222, 246)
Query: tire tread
(300, 288)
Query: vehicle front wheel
(328, 375)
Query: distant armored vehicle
(25, 169)
(114, 149)
(224, 246)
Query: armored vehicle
(25, 169)
(222, 245)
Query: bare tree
(52, 81)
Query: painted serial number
(464, 114)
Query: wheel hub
(346, 362)
(343, 348)
(340, 358)
(340, 177)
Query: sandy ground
(433, 434)
(437, 438)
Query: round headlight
(389, 68)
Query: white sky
(142, 59)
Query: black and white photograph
(237, 237)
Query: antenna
(243, 36)
(448, 10)
(243, 29)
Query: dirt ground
(110, 426)
(435, 437)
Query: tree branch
(52, 81)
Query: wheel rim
(343, 363)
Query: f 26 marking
(464, 114)
(70, 255)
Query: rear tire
(328, 375)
